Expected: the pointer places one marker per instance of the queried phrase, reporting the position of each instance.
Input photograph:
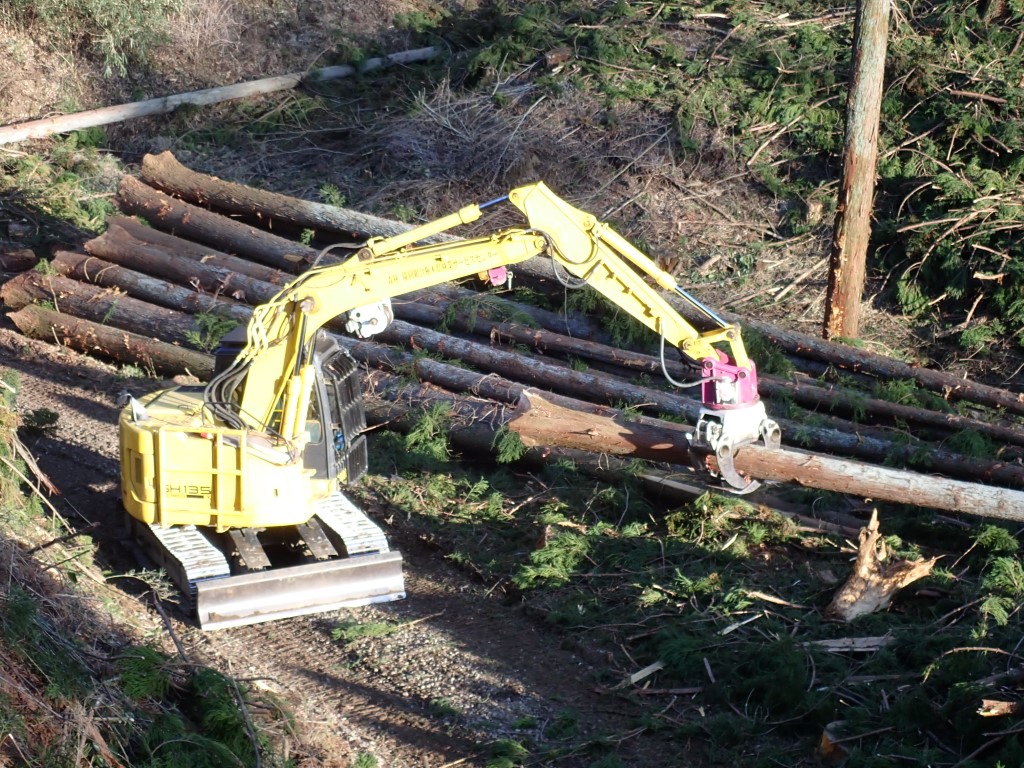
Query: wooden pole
(856, 189)
(37, 129)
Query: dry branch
(35, 129)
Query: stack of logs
(213, 248)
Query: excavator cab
(336, 449)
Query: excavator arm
(268, 387)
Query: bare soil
(463, 670)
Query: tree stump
(873, 583)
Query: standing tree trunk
(856, 190)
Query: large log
(542, 424)
(123, 346)
(149, 237)
(105, 306)
(163, 172)
(536, 421)
(949, 385)
(669, 486)
(812, 396)
(609, 390)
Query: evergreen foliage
(950, 193)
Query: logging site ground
(565, 607)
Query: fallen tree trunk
(543, 424)
(677, 484)
(534, 419)
(90, 269)
(100, 305)
(123, 346)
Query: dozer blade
(281, 593)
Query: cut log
(119, 246)
(535, 422)
(543, 424)
(817, 398)
(949, 385)
(674, 485)
(196, 223)
(164, 172)
(874, 582)
(90, 269)
(111, 343)
(148, 237)
(16, 258)
(105, 306)
(588, 386)
(498, 307)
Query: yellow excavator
(236, 487)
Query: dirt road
(458, 675)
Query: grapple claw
(722, 433)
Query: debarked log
(123, 346)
